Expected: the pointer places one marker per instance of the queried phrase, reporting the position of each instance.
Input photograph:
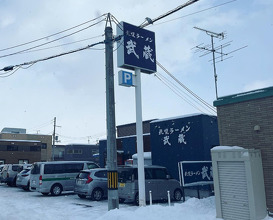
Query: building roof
(242, 97)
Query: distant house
(16, 146)
(76, 152)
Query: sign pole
(139, 132)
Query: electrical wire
(18, 52)
(60, 32)
(151, 21)
(186, 88)
(47, 48)
(197, 12)
(175, 90)
(55, 56)
(41, 125)
(4, 76)
(179, 92)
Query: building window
(44, 146)
(23, 161)
(69, 151)
(35, 148)
(74, 151)
(77, 151)
(12, 148)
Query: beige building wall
(46, 153)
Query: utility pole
(54, 134)
(112, 174)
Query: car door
(161, 182)
(150, 184)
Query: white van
(57, 176)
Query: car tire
(121, 200)
(26, 188)
(136, 202)
(56, 190)
(82, 196)
(97, 194)
(177, 195)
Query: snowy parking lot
(17, 204)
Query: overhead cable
(186, 88)
(18, 52)
(46, 37)
(177, 91)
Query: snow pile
(227, 148)
(192, 209)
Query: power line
(54, 56)
(177, 91)
(23, 44)
(186, 88)
(197, 12)
(149, 21)
(11, 54)
(47, 48)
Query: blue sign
(193, 173)
(136, 49)
(126, 78)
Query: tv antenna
(215, 50)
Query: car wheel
(97, 194)
(177, 195)
(26, 188)
(136, 199)
(82, 196)
(121, 200)
(56, 190)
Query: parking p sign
(126, 78)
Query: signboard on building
(194, 173)
(136, 49)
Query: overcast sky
(72, 88)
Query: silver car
(157, 180)
(1, 168)
(10, 172)
(22, 179)
(92, 183)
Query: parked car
(157, 180)
(92, 183)
(1, 168)
(57, 176)
(23, 179)
(10, 172)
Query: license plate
(121, 184)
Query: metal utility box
(238, 183)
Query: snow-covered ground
(16, 204)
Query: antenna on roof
(210, 48)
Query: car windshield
(92, 165)
(125, 175)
